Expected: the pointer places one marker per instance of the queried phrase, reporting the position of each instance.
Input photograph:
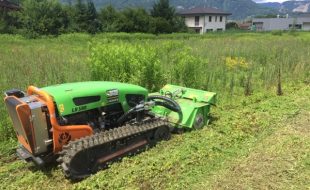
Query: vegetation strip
(240, 123)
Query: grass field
(257, 140)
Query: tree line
(50, 17)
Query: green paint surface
(64, 94)
(191, 101)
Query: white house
(204, 20)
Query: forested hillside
(290, 6)
(238, 8)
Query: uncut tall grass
(201, 62)
(151, 61)
(38, 62)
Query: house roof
(8, 5)
(203, 11)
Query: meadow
(259, 136)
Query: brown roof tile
(203, 10)
(8, 5)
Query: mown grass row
(191, 160)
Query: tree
(135, 20)
(42, 17)
(110, 19)
(162, 9)
(94, 25)
(86, 17)
(232, 25)
(179, 24)
(71, 13)
(7, 22)
(80, 16)
(165, 18)
(160, 25)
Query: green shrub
(126, 62)
(146, 65)
(187, 69)
(277, 32)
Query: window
(215, 18)
(296, 26)
(134, 99)
(221, 18)
(209, 30)
(197, 30)
(85, 100)
(219, 29)
(196, 20)
(210, 18)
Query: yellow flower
(234, 62)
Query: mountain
(290, 6)
(240, 9)
(273, 5)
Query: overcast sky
(261, 1)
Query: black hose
(167, 103)
(125, 116)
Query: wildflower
(235, 62)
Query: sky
(263, 1)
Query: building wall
(269, 24)
(306, 26)
(205, 24)
(215, 23)
(190, 22)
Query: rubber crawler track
(99, 139)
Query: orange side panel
(61, 134)
(23, 141)
(24, 114)
(20, 138)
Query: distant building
(245, 26)
(204, 20)
(269, 24)
(9, 6)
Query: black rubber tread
(101, 139)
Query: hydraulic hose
(125, 116)
(167, 103)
